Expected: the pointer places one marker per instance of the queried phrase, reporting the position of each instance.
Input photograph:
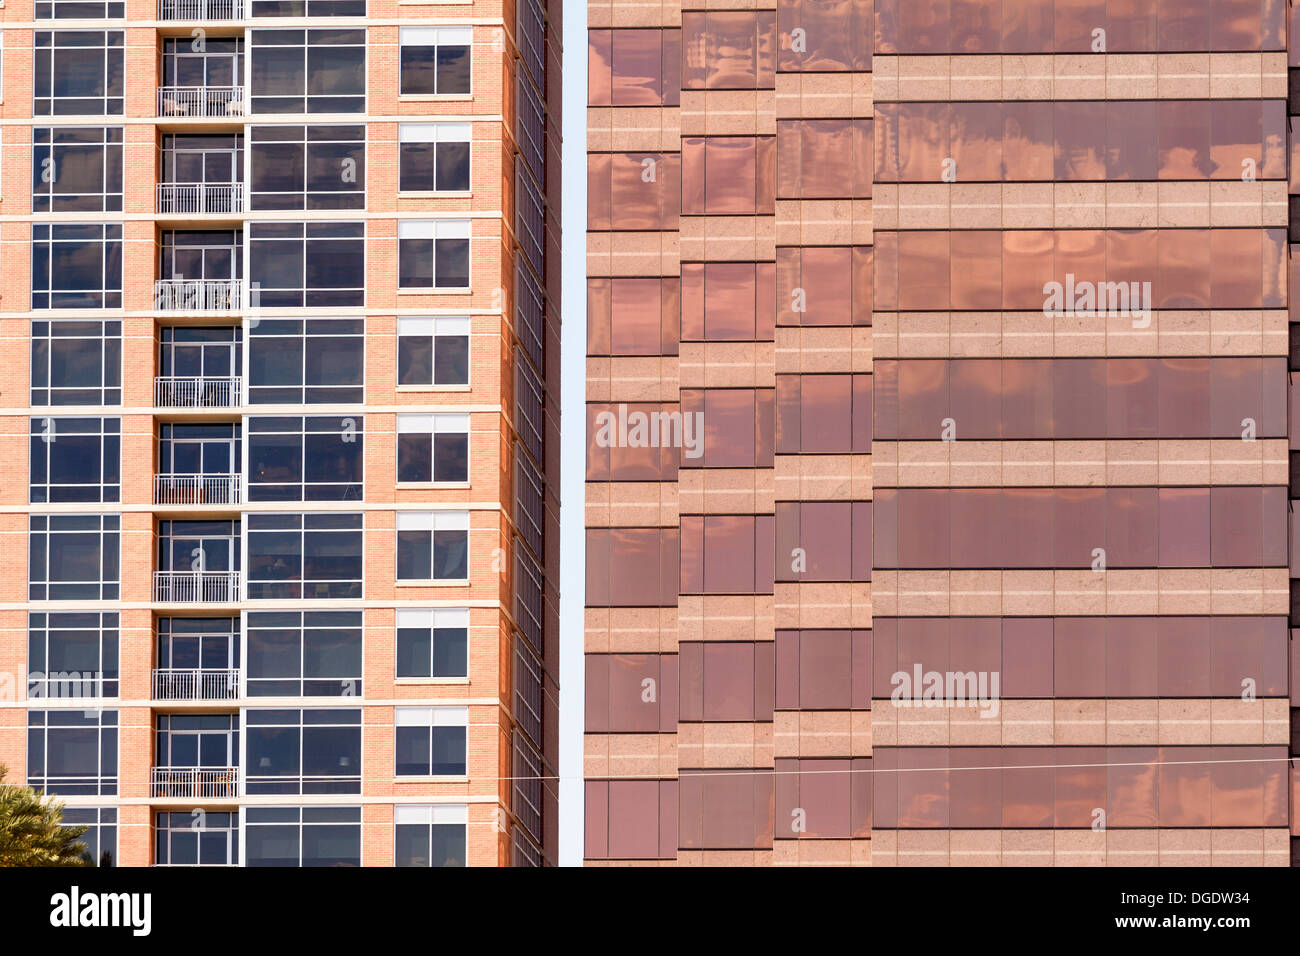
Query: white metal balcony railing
(194, 782)
(200, 101)
(199, 198)
(195, 587)
(195, 683)
(198, 295)
(196, 489)
(200, 9)
(180, 391)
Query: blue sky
(573, 374)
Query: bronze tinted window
(729, 50)
(726, 554)
(823, 540)
(632, 567)
(823, 414)
(633, 191)
(830, 798)
(823, 285)
(633, 316)
(728, 175)
(722, 810)
(633, 441)
(737, 426)
(823, 670)
(640, 67)
(836, 35)
(617, 701)
(631, 819)
(728, 301)
(823, 159)
(726, 680)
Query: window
(73, 557)
(313, 264)
(307, 361)
(634, 67)
(436, 60)
(635, 192)
(196, 838)
(79, 10)
(433, 157)
(198, 364)
(633, 316)
(72, 654)
(77, 266)
(823, 159)
(432, 448)
(78, 73)
(308, 167)
(432, 642)
(315, 556)
(309, 8)
(308, 71)
(75, 459)
(728, 554)
(433, 254)
(632, 567)
(304, 751)
(187, 644)
(433, 351)
(199, 462)
(199, 741)
(431, 741)
(304, 653)
(823, 540)
(202, 172)
(305, 459)
(77, 169)
(429, 835)
(825, 670)
(197, 546)
(729, 50)
(433, 546)
(213, 255)
(823, 414)
(731, 175)
(100, 837)
(72, 752)
(76, 362)
(302, 836)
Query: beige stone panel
(1027, 463)
(726, 491)
(632, 13)
(1079, 206)
(1027, 847)
(976, 848)
(884, 205)
(642, 130)
(811, 604)
(1250, 591)
(1184, 847)
(727, 365)
(922, 593)
(633, 254)
(724, 858)
(1130, 76)
(1277, 720)
(728, 112)
(1236, 847)
(974, 205)
(1189, 590)
(977, 77)
(1260, 462)
(1274, 75)
(1132, 205)
(1079, 722)
(1183, 462)
(1132, 848)
(923, 77)
(725, 617)
(823, 733)
(631, 630)
(1237, 721)
(927, 334)
(1277, 847)
(975, 725)
(884, 78)
(1027, 77)
(630, 755)
(884, 848)
(1184, 721)
(1184, 205)
(1132, 462)
(1244, 332)
(1237, 203)
(1079, 76)
(1027, 723)
(884, 464)
(925, 206)
(728, 238)
(724, 745)
(1023, 335)
(1077, 463)
(1132, 723)
(921, 463)
(806, 852)
(622, 503)
(815, 349)
(884, 724)
(823, 95)
(978, 593)
(923, 848)
(919, 726)
(823, 477)
(1079, 847)
(884, 334)
(1027, 205)
(1070, 592)
(820, 222)
(1183, 76)
(631, 378)
(1237, 75)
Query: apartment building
(280, 415)
(973, 545)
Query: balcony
(183, 391)
(201, 101)
(198, 295)
(200, 10)
(194, 783)
(195, 587)
(196, 489)
(196, 199)
(195, 683)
